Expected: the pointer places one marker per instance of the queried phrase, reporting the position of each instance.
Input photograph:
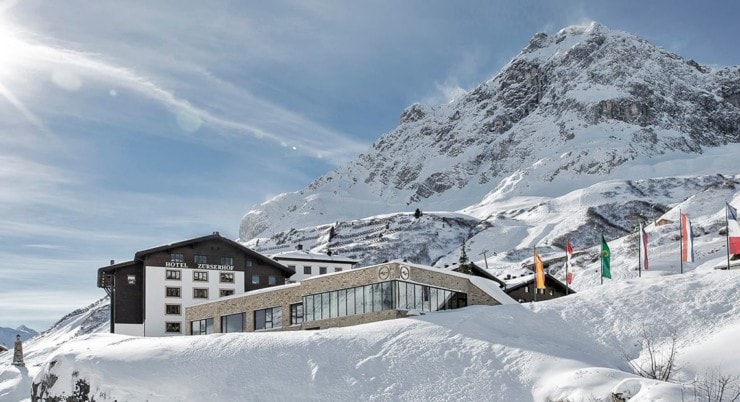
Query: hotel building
(149, 294)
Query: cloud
(227, 111)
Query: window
(201, 276)
(177, 257)
(201, 259)
(249, 262)
(377, 297)
(172, 274)
(296, 314)
(199, 293)
(225, 292)
(233, 323)
(307, 270)
(227, 260)
(201, 327)
(255, 279)
(322, 270)
(131, 279)
(226, 277)
(172, 309)
(172, 292)
(268, 318)
(337, 269)
(172, 327)
(271, 280)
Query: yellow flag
(539, 271)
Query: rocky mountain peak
(579, 106)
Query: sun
(12, 49)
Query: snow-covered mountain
(573, 109)
(7, 335)
(506, 229)
(15, 382)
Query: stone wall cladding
(284, 297)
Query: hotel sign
(217, 267)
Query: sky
(126, 125)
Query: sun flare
(12, 49)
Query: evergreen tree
(463, 263)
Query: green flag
(605, 257)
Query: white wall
(299, 275)
(130, 329)
(155, 300)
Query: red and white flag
(643, 247)
(733, 230)
(568, 263)
(687, 239)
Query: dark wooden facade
(524, 292)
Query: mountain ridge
(574, 108)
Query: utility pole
(485, 259)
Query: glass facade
(201, 327)
(391, 295)
(268, 318)
(233, 323)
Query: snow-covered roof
(303, 255)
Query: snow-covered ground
(572, 348)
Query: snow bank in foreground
(570, 348)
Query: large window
(227, 260)
(226, 277)
(322, 270)
(201, 259)
(200, 276)
(234, 323)
(201, 327)
(296, 314)
(172, 292)
(172, 274)
(177, 257)
(200, 293)
(255, 279)
(271, 280)
(306, 270)
(379, 297)
(268, 318)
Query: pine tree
(463, 263)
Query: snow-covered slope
(15, 382)
(506, 229)
(571, 348)
(585, 105)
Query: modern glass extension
(391, 295)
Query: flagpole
(567, 242)
(639, 251)
(727, 229)
(534, 284)
(680, 227)
(601, 258)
